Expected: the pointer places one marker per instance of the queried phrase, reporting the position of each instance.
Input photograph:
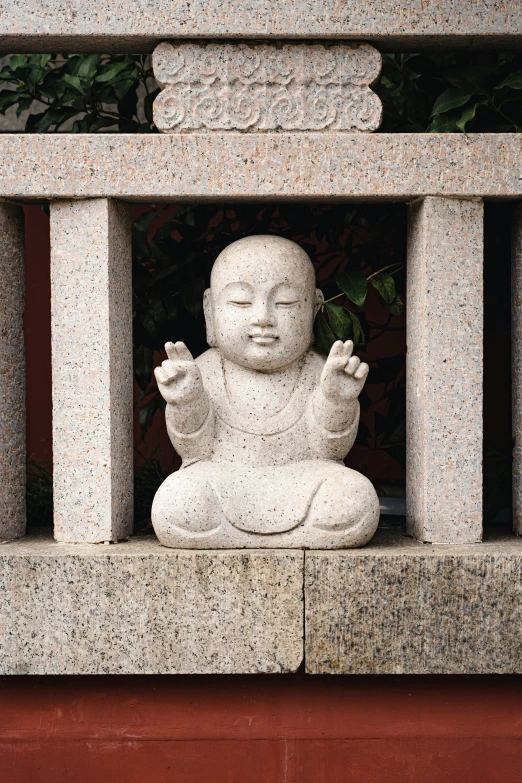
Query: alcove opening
(340, 238)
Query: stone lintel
(117, 25)
(139, 608)
(444, 335)
(260, 166)
(402, 607)
(12, 372)
(91, 318)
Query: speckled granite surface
(91, 324)
(104, 25)
(12, 373)
(402, 607)
(395, 606)
(260, 166)
(444, 336)
(140, 608)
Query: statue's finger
(160, 375)
(348, 348)
(336, 349)
(171, 351)
(352, 365)
(338, 363)
(362, 371)
(183, 352)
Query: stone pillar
(12, 373)
(516, 364)
(444, 370)
(91, 303)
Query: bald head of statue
(260, 306)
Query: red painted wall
(260, 729)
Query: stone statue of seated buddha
(262, 422)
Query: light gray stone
(264, 87)
(444, 336)
(12, 373)
(516, 364)
(138, 608)
(91, 310)
(262, 166)
(118, 25)
(261, 421)
(401, 607)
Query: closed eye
(238, 303)
(287, 304)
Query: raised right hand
(179, 378)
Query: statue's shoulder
(210, 365)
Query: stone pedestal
(91, 281)
(12, 373)
(444, 370)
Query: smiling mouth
(264, 339)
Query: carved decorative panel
(262, 87)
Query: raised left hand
(343, 375)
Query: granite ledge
(397, 606)
(297, 166)
(139, 608)
(117, 25)
(402, 607)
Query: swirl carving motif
(266, 87)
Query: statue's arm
(327, 443)
(189, 413)
(333, 410)
(192, 434)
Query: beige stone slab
(444, 336)
(139, 608)
(216, 166)
(12, 373)
(516, 364)
(104, 25)
(91, 319)
(262, 87)
(402, 607)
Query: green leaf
(324, 338)
(474, 80)
(354, 285)
(340, 321)
(442, 124)
(89, 67)
(8, 98)
(396, 307)
(514, 80)
(18, 61)
(358, 334)
(110, 71)
(385, 285)
(468, 115)
(73, 82)
(451, 99)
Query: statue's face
(262, 303)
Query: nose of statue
(262, 317)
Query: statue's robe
(265, 470)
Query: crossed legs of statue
(312, 504)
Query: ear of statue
(319, 299)
(209, 321)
